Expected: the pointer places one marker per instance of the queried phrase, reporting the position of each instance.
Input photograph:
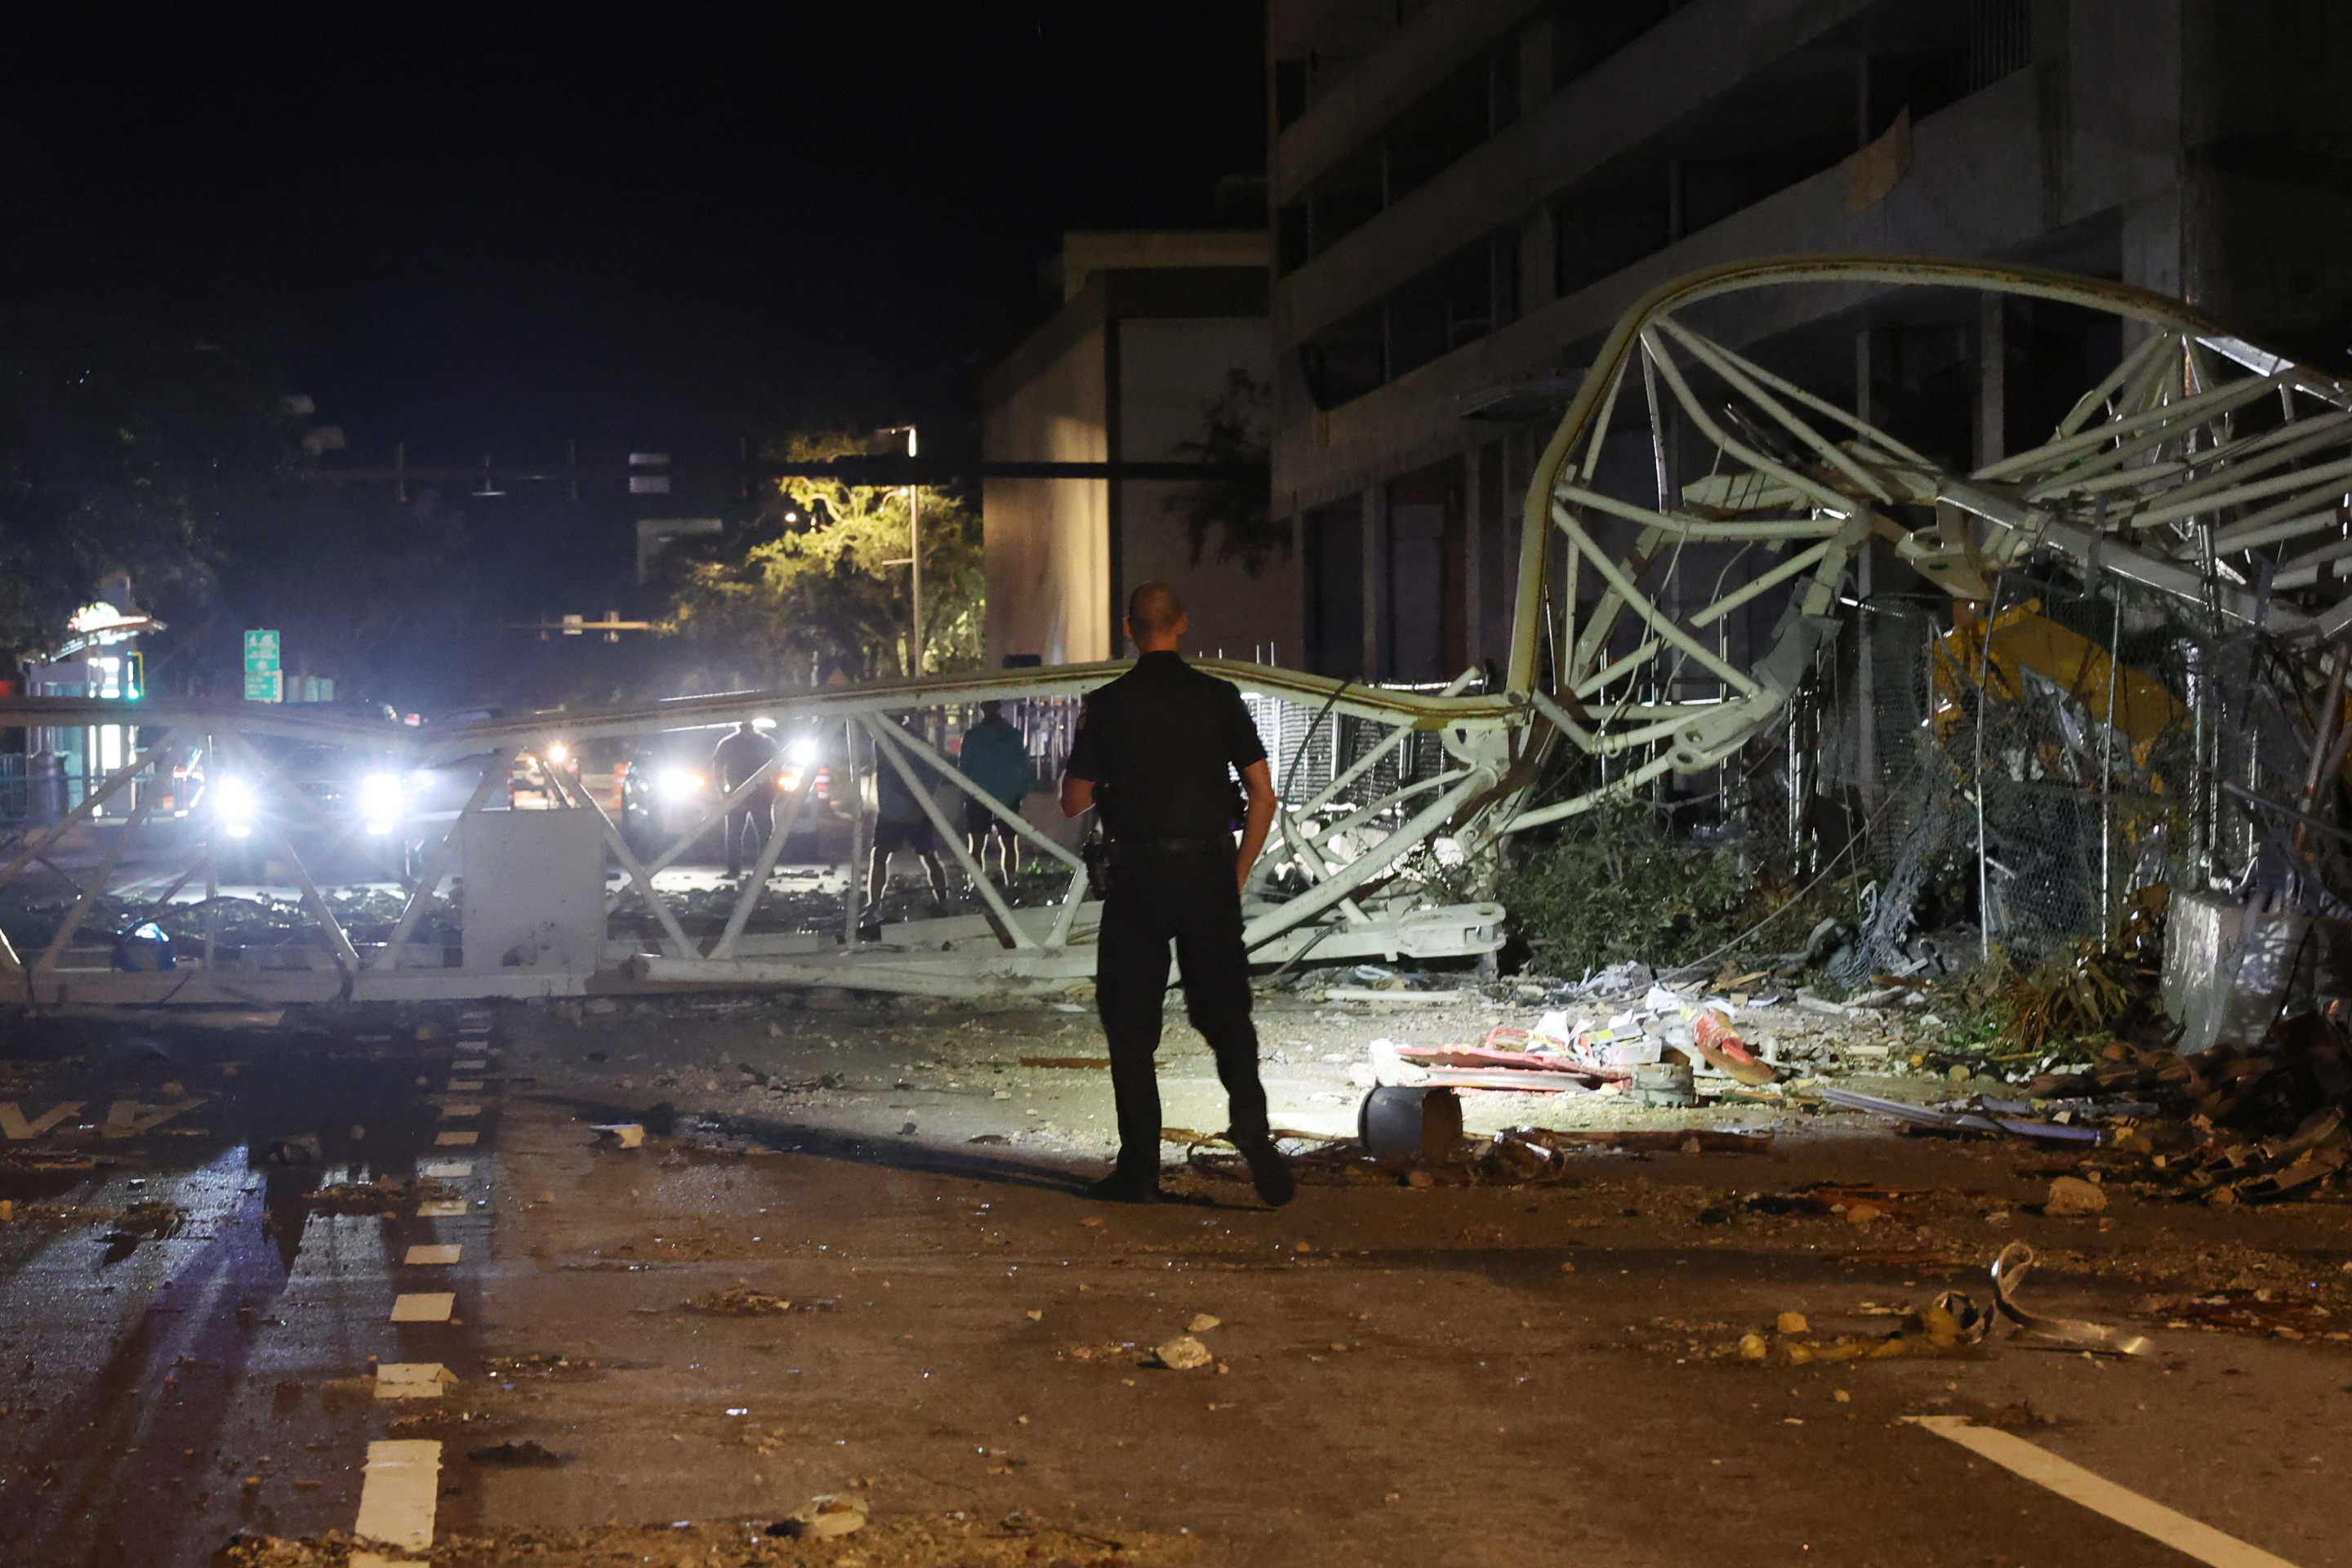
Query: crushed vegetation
(1617, 885)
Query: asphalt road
(161, 1389)
(1451, 1375)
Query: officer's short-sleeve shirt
(1162, 743)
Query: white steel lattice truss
(2199, 466)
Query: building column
(1866, 685)
(1992, 379)
(1376, 575)
(1114, 507)
(1474, 530)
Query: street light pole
(914, 565)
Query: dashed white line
(423, 1307)
(459, 1110)
(433, 1255)
(2190, 1537)
(411, 1380)
(397, 1493)
(447, 1170)
(455, 1140)
(441, 1208)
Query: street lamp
(914, 560)
(915, 565)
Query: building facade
(1466, 194)
(1158, 345)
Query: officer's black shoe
(1125, 1187)
(1270, 1172)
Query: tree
(1234, 506)
(122, 447)
(819, 582)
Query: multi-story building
(1156, 358)
(1467, 193)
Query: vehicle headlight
(676, 784)
(380, 798)
(234, 805)
(558, 752)
(804, 750)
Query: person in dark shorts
(1156, 753)
(996, 759)
(899, 823)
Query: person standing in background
(742, 753)
(995, 759)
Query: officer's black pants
(747, 834)
(1189, 898)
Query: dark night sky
(500, 227)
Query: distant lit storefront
(100, 657)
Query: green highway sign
(264, 681)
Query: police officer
(1156, 751)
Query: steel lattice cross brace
(2198, 467)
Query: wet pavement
(186, 1331)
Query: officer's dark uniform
(1157, 745)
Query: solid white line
(433, 1253)
(396, 1497)
(423, 1307)
(2100, 1495)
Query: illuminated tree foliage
(820, 583)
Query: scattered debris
(743, 1301)
(2009, 1270)
(823, 1519)
(527, 1453)
(620, 1135)
(385, 1195)
(2071, 1196)
(1183, 1353)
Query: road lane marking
(2100, 1495)
(377, 1559)
(16, 1130)
(471, 1064)
(433, 1255)
(455, 1140)
(397, 1493)
(423, 1307)
(411, 1380)
(128, 1118)
(447, 1170)
(441, 1208)
(459, 1110)
(462, 1086)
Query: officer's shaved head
(1154, 612)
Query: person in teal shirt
(995, 759)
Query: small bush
(1617, 885)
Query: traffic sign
(265, 681)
